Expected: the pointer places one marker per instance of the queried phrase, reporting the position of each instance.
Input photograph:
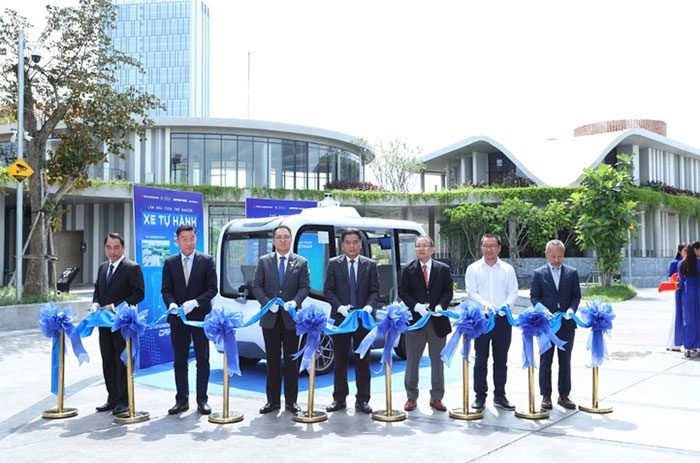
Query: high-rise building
(171, 40)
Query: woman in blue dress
(675, 337)
(690, 276)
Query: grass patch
(613, 293)
(7, 297)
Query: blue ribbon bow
(470, 325)
(600, 317)
(534, 322)
(311, 321)
(220, 328)
(394, 323)
(54, 320)
(132, 324)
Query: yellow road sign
(19, 170)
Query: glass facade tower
(171, 40)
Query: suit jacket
(126, 284)
(201, 285)
(568, 296)
(336, 284)
(295, 288)
(412, 290)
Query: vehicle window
(314, 244)
(240, 253)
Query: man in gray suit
(351, 282)
(285, 275)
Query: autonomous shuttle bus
(316, 236)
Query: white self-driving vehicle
(316, 236)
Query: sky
(434, 73)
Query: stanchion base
(595, 409)
(125, 418)
(55, 413)
(316, 417)
(541, 415)
(390, 416)
(461, 414)
(218, 418)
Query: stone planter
(26, 316)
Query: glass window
(245, 162)
(241, 252)
(178, 158)
(313, 167)
(228, 160)
(301, 165)
(276, 176)
(288, 164)
(215, 171)
(195, 159)
(313, 243)
(326, 166)
(219, 216)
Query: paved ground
(654, 394)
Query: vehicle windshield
(240, 254)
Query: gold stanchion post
(464, 413)
(311, 415)
(388, 414)
(132, 416)
(225, 416)
(60, 411)
(595, 408)
(532, 414)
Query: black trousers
(113, 369)
(565, 333)
(279, 338)
(182, 336)
(499, 339)
(341, 350)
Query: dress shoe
(363, 407)
(106, 407)
(335, 406)
(204, 408)
(293, 407)
(438, 405)
(565, 402)
(120, 410)
(268, 407)
(546, 402)
(502, 402)
(478, 405)
(410, 405)
(179, 408)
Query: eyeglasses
(283, 238)
(492, 246)
(423, 246)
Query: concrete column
(136, 173)
(656, 224)
(635, 163)
(681, 171)
(164, 160)
(642, 233)
(474, 168)
(672, 169)
(463, 170)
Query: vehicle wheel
(325, 356)
(400, 349)
(248, 362)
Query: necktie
(353, 285)
(185, 268)
(425, 275)
(110, 272)
(280, 270)
(556, 276)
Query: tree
(518, 219)
(395, 164)
(72, 86)
(467, 223)
(557, 222)
(606, 213)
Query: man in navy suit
(351, 283)
(189, 281)
(556, 286)
(118, 280)
(426, 285)
(285, 275)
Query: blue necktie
(280, 270)
(353, 285)
(110, 272)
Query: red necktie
(425, 275)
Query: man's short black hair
(183, 228)
(490, 235)
(115, 236)
(350, 231)
(274, 230)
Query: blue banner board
(157, 214)
(261, 207)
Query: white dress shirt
(494, 285)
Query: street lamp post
(20, 154)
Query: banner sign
(157, 214)
(260, 207)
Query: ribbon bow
(220, 328)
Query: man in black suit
(426, 285)
(351, 283)
(189, 281)
(557, 287)
(118, 280)
(285, 275)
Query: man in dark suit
(189, 281)
(557, 287)
(285, 275)
(118, 280)
(351, 283)
(426, 285)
